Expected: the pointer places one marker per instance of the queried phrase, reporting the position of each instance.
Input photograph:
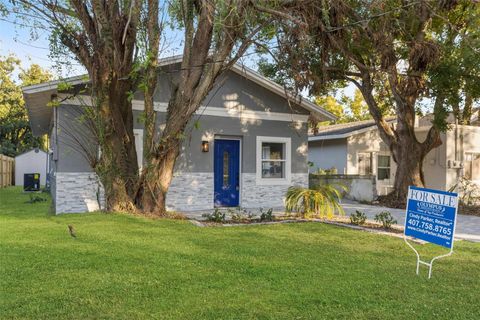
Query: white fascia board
(343, 135)
(203, 110)
(230, 113)
(52, 85)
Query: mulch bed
(369, 226)
(337, 220)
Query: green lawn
(125, 267)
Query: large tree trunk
(409, 158)
(117, 168)
(408, 153)
(207, 53)
(158, 175)
(157, 180)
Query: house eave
(39, 113)
(267, 84)
(37, 98)
(342, 135)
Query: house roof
(38, 96)
(36, 150)
(427, 119)
(345, 130)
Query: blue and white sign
(431, 215)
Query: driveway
(468, 227)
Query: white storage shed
(32, 161)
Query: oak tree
(15, 132)
(386, 49)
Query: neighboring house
(356, 148)
(32, 161)
(256, 138)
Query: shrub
(470, 192)
(216, 216)
(323, 200)
(332, 170)
(34, 198)
(358, 218)
(386, 219)
(236, 216)
(266, 215)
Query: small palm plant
(321, 201)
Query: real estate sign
(431, 215)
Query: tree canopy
(346, 109)
(118, 43)
(15, 132)
(454, 81)
(388, 50)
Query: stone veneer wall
(77, 192)
(191, 191)
(267, 196)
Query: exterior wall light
(204, 146)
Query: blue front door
(226, 172)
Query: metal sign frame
(419, 260)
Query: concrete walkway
(468, 227)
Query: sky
(17, 40)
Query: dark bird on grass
(72, 231)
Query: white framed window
(383, 167)
(471, 166)
(138, 133)
(274, 160)
(364, 163)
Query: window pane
(364, 163)
(472, 166)
(225, 169)
(273, 151)
(384, 161)
(383, 174)
(273, 169)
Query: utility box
(454, 164)
(31, 182)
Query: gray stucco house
(256, 135)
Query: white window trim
(288, 161)
(384, 154)
(372, 164)
(139, 148)
(477, 181)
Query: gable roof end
(38, 96)
(345, 130)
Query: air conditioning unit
(455, 164)
(31, 182)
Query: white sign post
(431, 216)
